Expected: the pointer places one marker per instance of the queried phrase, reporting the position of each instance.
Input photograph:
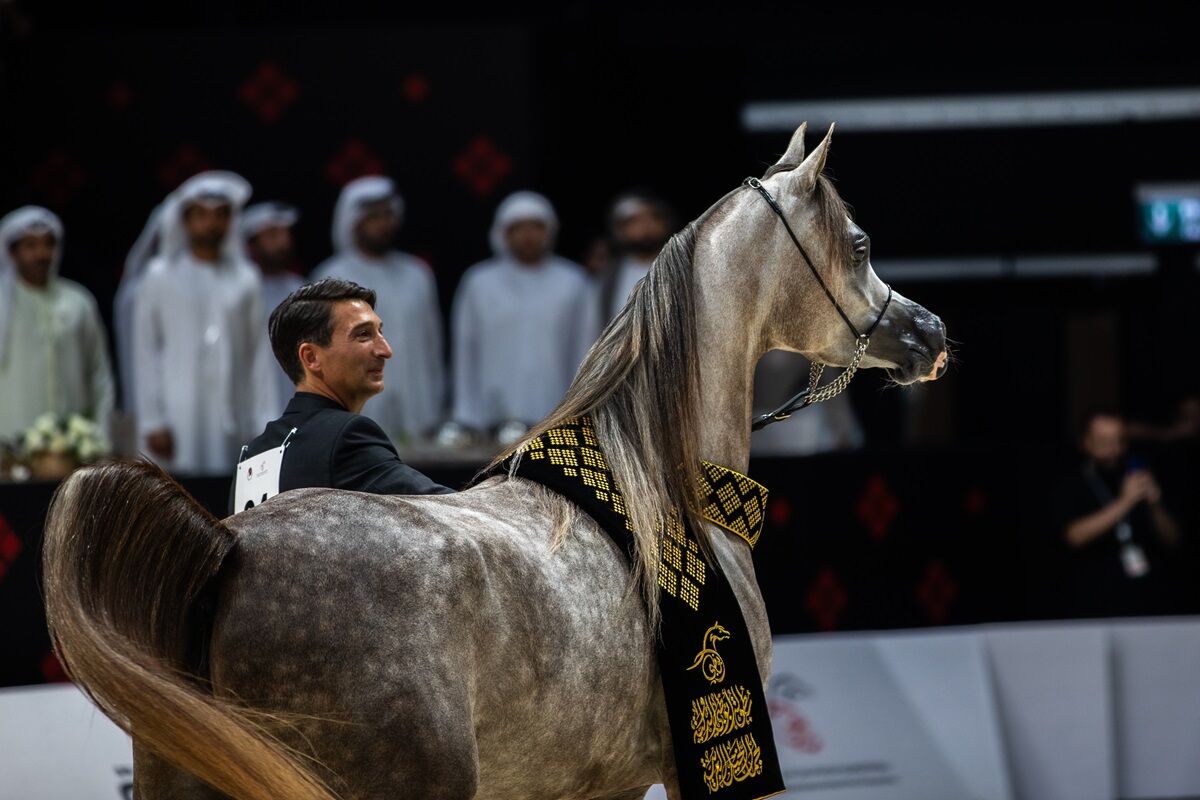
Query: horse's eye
(862, 246)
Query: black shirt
(337, 449)
(1095, 583)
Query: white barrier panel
(54, 745)
(1086, 710)
(1053, 691)
(1157, 672)
(896, 717)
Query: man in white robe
(522, 321)
(641, 224)
(203, 378)
(365, 222)
(266, 230)
(53, 346)
(140, 255)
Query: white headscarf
(261, 216)
(142, 252)
(522, 207)
(218, 186)
(352, 202)
(18, 224)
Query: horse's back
(439, 628)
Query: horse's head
(799, 315)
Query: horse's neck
(726, 404)
(727, 332)
(727, 336)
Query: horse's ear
(805, 176)
(795, 149)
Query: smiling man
(330, 342)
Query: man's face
(377, 228)
(352, 364)
(206, 224)
(528, 240)
(1104, 441)
(33, 255)
(271, 248)
(643, 232)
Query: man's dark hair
(306, 315)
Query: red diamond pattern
(354, 160)
(58, 178)
(826, 599)
(482, 166)
(779, 510)
(975, 503)
(268, 92)
(182, 164)
(119, 96)
(937, 592)
(10, 547)
(877, 507)
(415, 88)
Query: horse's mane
(640, 385)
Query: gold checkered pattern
(732, 500)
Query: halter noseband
(811, 394)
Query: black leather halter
(811, 394)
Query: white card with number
(257, 479)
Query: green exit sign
(1169, 213)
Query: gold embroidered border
(734, 501)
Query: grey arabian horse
(493, 643)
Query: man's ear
(310, 357)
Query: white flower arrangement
(74, 435)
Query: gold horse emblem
(712, 666)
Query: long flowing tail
(128, 554)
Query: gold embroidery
(720, 713)
(734, 502)
(667, 581)
(676, 547)
(712, 666)
(563, 436)
(689, 593)
(731, 762)
(673, 555)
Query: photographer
(1117, 530)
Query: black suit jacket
(338, 449)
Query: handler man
(329, 341)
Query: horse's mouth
(921, 369)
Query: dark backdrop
(103, 110)
(106, 110)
